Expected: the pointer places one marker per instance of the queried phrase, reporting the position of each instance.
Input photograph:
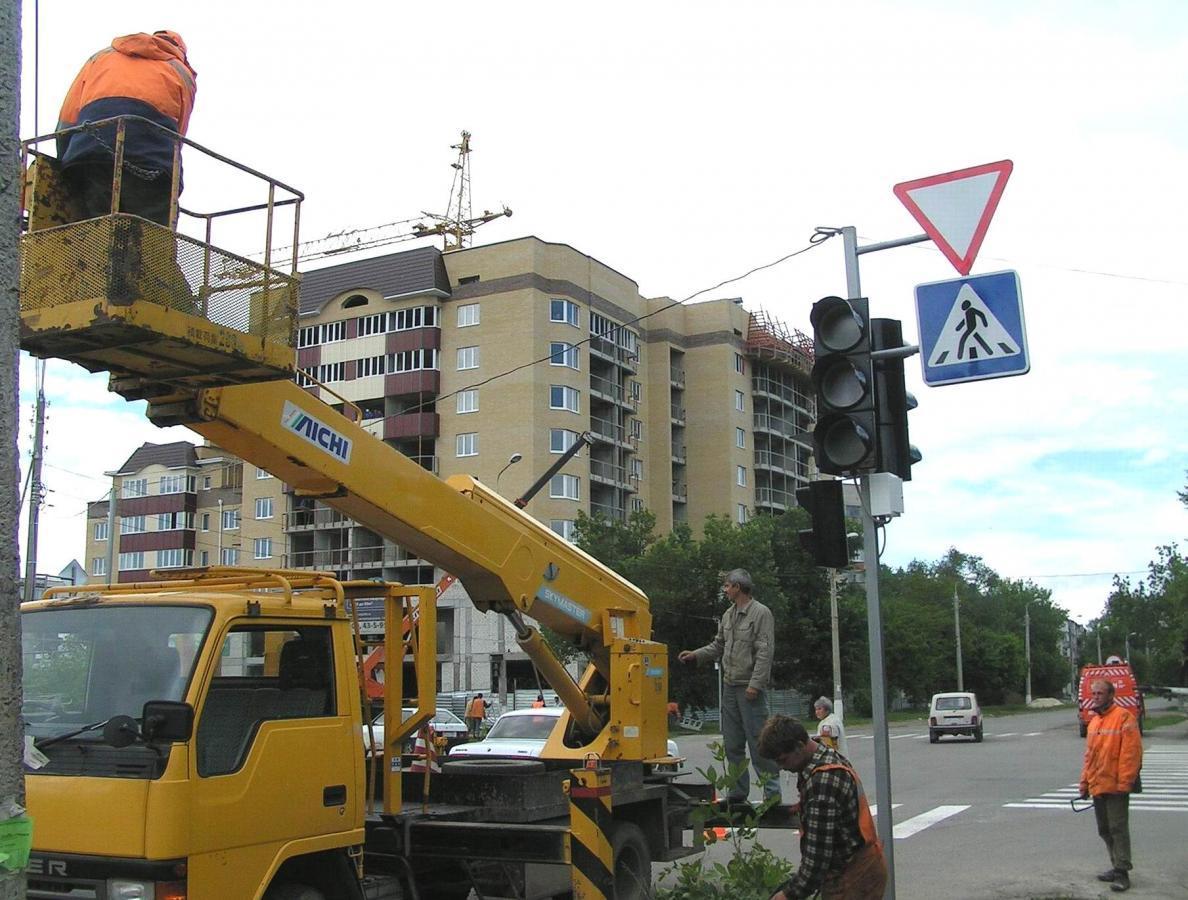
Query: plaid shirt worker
(828, 822)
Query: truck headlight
(127, 889)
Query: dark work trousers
(90, 185)
(1113, 824)
(742, 720)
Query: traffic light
(845, 436)
(895, 452)
(826, 540)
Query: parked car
(522, 733)
(956, 712)
(445, 724)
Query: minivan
(955, 712)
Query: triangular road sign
(971, 332)
(955, 208)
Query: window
(230, 519)
(565, 487)
(252, 686)
(468, 401)
(563, 311)
(468, 358)
(561, 439)
(742, 514)
(331, 372)
(327, 333)
(132, 560)
(99, 565)
(566, 528)
(637, 505)
(173, 558)
(174, 521)
(563, 397)
(740, 438)
(263, 548)
(206, 521)
(176, 484)
(637, 429)
(263, 507)
(261, 474)
(467, 444)
(740, 475)
(205, 558)
(100, 534)
(563, 354)
(635, 391)
(132, 525)
(468, 314)
(739, 401)
(229, 556)
(637, 469)
(206, 482)
(738, 363)
(134, 487)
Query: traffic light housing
(846, 434)
(826, 540)
(895, 453)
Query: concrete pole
(957, 629)
(36, 490)
(837, 689)
(1027, 648)
(12, 781)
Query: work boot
(1108, 875)
(1121, 881)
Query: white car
(444, 723)
(522, 733)
(955, 712)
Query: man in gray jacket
(744, 645)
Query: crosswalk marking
(924, 820)
(874, 808)
(1165, 786)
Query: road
(993, 820)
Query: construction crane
(456, 227)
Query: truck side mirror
(166, 721)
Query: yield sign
(955, 208)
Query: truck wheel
(632, 862)
(492, 766)
(291, 891)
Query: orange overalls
(865, 874)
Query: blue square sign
(972, 328)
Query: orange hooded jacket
(139, 74)
(1113, 753)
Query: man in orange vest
(840, 853)
(476, 711)
(145, 75)
(1113, 758)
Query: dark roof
(175, 455)
(393, 275)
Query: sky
(685, 144)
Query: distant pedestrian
(539, 702)
(829, 726)
(1113, 759)
(476, 711)
(744, 644)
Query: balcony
(608, 473)
(342, 558)
(772, 498)
(612, 352)
(607, 430)
(411, 425)
(677, 414)
(781, 462)
(607, 511)
(608, 390)
(676, 377)
(787, 394)
(678, 455)
(321, 517)
(421, 381)
(680, 492)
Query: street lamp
(512, 460)
(1128, 637)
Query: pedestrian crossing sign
(972, 328)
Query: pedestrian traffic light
(826, 540)
(844, 439)
(895, 453)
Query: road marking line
(1010, 734)
(1033, 734)
(1060, 805)
(896, 737)
(918, 823)
(874, 808)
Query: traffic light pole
(874, 614)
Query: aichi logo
(302, 423)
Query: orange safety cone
(425, 752)
(713, 835)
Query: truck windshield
(85, 664)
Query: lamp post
(837, 689)
(957, 632)
(1128, 637)
(512, 460)
(1027, 648)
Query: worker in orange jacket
(1113, 758)
(145, 75)
(476, 711)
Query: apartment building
(181, 505)
(469, 360)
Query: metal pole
(1097, 631)
(837, 690)
(35, 486)
(957, 630)
(1027, 648)
(112, 519)
(874, 621)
